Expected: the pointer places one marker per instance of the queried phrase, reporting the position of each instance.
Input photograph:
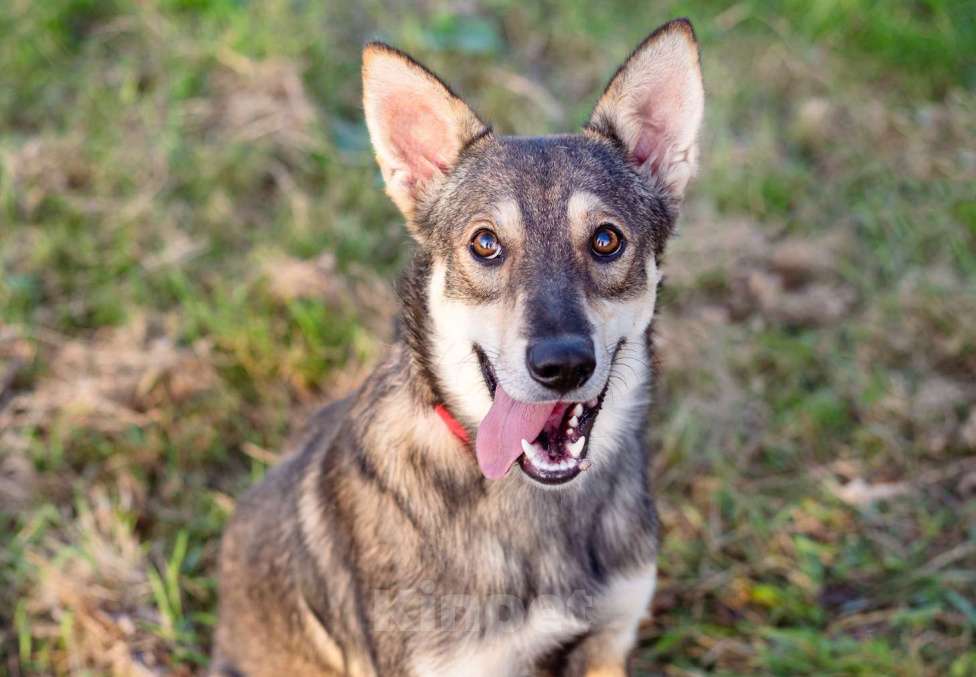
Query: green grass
(172, 171)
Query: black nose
(561, 363)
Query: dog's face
(543, 252)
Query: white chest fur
(612, 618)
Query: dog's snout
(561, 363)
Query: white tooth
(527, 447)
(578, 409)
(576, 447)
(574, 421)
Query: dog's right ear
(416, 124)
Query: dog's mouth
(558, 454)
(549, 440)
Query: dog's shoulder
(271, 506)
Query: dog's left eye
(607, 241)
(485, 245)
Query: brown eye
(606, 241)
(485, 245)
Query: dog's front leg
(595, 655)
(603, 655)
(604, 652)
(608, 671)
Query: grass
(194, 250)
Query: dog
(481, 505)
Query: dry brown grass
(112, 380)
(91, 593)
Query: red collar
(452, 423)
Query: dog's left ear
(416, 123)
(654, 104)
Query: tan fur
(618, 670)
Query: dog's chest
(504, 636)
(509, 651)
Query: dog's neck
(454, 425)
(414, 331)
(400, 431)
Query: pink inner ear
(660, 111)
(647, 146)
(653, 145)
(420, 138)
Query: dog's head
(539, 255)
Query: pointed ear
(654, 105)
(416, 123)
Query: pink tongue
(500, 434)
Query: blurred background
(195, 250)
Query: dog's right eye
(485, 245)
